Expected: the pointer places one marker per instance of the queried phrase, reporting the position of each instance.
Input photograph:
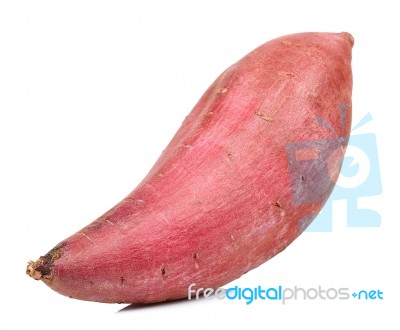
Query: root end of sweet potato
(32, 270)
(41, 269)
(349, 37)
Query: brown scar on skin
(111, 223)
(263, 116)
(222, 90)
(89, 239)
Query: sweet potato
(250, 167)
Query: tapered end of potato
(41, 269)
(38, 269)
(349, 37)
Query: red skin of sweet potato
(220, 200)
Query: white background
(90, 94)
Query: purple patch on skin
(310, 178)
